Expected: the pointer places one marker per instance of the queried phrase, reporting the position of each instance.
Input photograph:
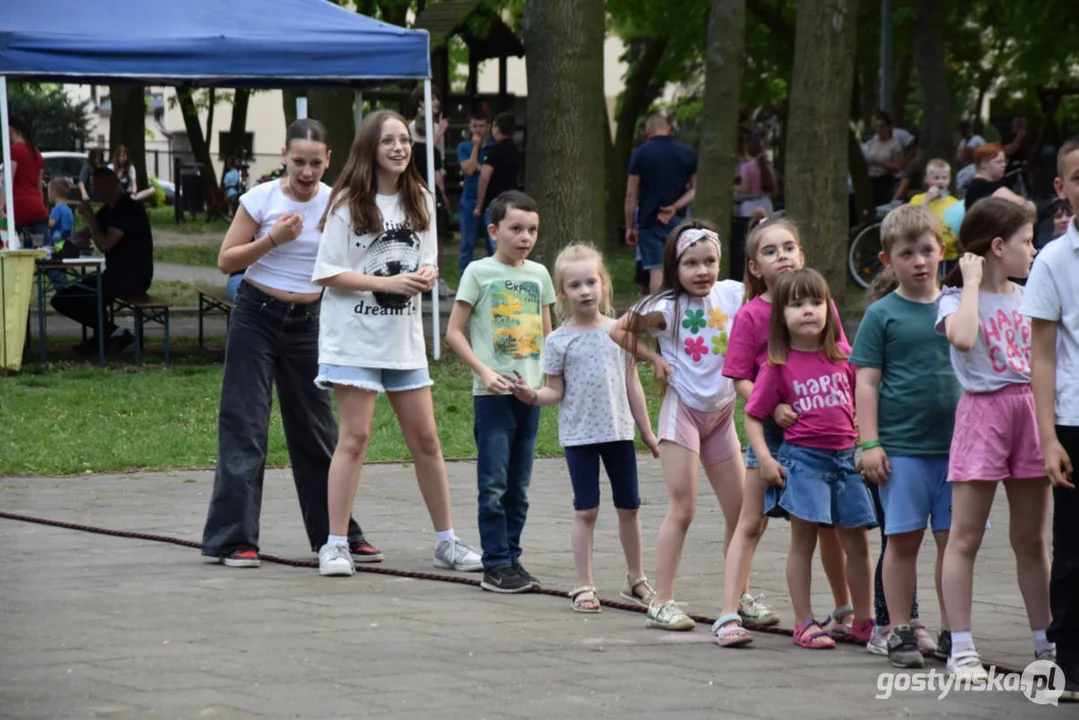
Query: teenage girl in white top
(273, 340)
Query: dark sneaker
(520, 570)
(903, 649)
(365, 552)
(944, 645)
(1071, 682)
(118, 344)
(505, 579)
(244, 556)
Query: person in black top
(501, 168)
(121, 230)
(988, 181)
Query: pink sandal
(804, 638)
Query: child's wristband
(870, 445)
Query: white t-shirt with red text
(1001, 354)
(820, 391)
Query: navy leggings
(620, 462)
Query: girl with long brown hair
(377, 255)
(807, 369)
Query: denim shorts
(380, 380)
(822, 486)
(917, 489)
(651, 239)
(773, 438)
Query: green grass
(165, 218)
(75, 418)
(199, 255)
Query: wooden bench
(213, 300)
(146, 309)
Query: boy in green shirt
(505, 301)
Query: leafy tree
(57, 122)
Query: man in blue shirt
(662, 182)
(471, 154)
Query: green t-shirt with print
(506, 325)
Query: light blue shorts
(823, 487)
(916, 490)
(378, 380)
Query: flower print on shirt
(719, 343)
(694, 321)
(717, 318)
(695, 347)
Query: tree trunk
(336, 110)
(719, 119)
(127, 127)
(817, 136)
(937, 125)
(238, 123)
(636, 97)
(200, 148)
(901, 90)
(566, 152)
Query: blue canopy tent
(206, 43)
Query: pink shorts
(996, 437)
(709, 434)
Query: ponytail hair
(987, 220)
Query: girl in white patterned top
(596, 382)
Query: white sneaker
(967, 664)
(878, 641)
(455, 555)
(335, 560)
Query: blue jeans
(505, 430)
(233, 285)
(470, 229)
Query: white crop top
(289, 266)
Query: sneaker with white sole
(455, 555)
(243, 556)
(669, 616)
(335, 560)
(967, 664)
(878, 641)
(753, 610)
(903, 649)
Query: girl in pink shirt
(772, 250)
(807, 369)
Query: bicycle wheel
(864, 258)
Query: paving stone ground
(103, 627)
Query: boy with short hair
(1051, 301)
(61, 226)
(938, 176)
(505, 301)
(905, 395)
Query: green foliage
(57, 122)
(158, 198)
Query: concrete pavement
(104, 627)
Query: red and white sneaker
(365, 552)
(244, 556)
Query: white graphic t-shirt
(1001, 354)
(373, 329)
(694, 343)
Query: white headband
(691, 237)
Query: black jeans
(78, 301)
(270, 342)
(1064, 580)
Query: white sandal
(629, 591)
(579, 596)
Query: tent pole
(428, 126)
(301, 108)
(13, 242)
(358, 109)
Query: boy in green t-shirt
(505, 301)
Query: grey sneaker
(669, 616)
(455, 555)
(335, 560)
(903, 648)
(753, 610)
(878, 641)
(444, 290)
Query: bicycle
(863, 257)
